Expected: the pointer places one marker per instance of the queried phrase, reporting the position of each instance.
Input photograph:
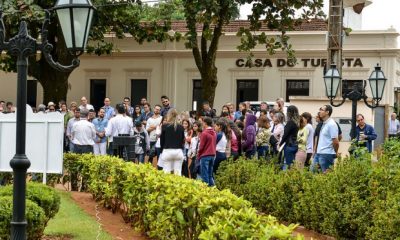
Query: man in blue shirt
(365, 133)
(109, 111)
(100, 123)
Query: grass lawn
(73, 221)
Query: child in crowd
(141, 140)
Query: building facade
(155, 69)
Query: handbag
(272, 140)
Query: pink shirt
(234, 142)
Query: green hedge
(170, 207)
(44, 196)
(35, 217)
(359, 199)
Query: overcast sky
(381, 14)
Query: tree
(153, 23)
(117, 16)
(208, 17)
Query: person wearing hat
(83, 134)
(141, 140)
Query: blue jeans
(313, 167)
(262, 152)
(140, 158)
(219, 157)
(325, 160)
(289, 155)
(250, 153)
(206, 166)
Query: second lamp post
(377, 83)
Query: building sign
(303, 62)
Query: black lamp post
(75, 19)
(377, 83)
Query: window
(138, 90)
(247, 90)
(97, 93)
(197, 92)
(297, 88)
(347, 86)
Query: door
(97, 93)
(246, 90)
(138, 90)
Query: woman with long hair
(277, 131)
(194, 164)
(187, 126)
(310, 140)
(289, 138)
(222, 143)
(137, 115)
(236, 139)
(263, 136)
(157, 146)
(225, 113)
(302, 136)
(172, 141)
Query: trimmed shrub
(171, 207)
(35, 217)
(44, 196)
(359, 199)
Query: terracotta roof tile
(234, 26)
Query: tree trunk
(209, 84)
(55, 85)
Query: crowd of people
(194, 144)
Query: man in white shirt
(328, 141)
(68, 132)
(83, 134)
(151, 126)
(394, 126)
(85, 104)
(120, 125)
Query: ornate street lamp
(332, 80)
(377, 83)
(22, 46)
(75, 17)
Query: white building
(155, 69)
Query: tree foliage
(205, 21)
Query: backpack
(139, 140)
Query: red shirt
(208, 143)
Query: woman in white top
(310, 140)
(158, 144)
(194, 164)
(223, 135)
(277, 130)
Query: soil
(111, 223)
